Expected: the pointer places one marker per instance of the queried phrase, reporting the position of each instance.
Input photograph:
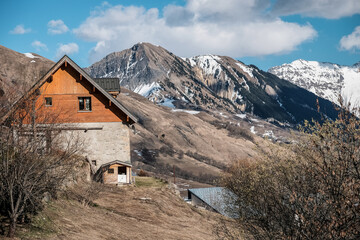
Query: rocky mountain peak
(137, 65)
(327, 80)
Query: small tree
(35, 159)
(310, 190)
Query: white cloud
(39, 45)
(235, 28)
(351, 41)
(330, 9)
(57, 27)
(67, 49)
(20, 29)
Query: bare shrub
(310, 190)
(239, 132)
(226, 229)
(234, 130)
(149, 156)
(143, 173)
(167, 150)
(35, 160)
(205, 159)
(85, 192)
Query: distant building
(87, 107)
(217, 199)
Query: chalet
(88, 107)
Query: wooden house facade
(82, 106)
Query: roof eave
(116, 162)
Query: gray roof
(220, 199)
(109, 84)
(116, 162)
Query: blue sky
(265, 33)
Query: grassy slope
(150, 211)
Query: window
(84, 103)
(110, 170)
(122, 170)
(93, 162)
(48, 101)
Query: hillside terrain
(327, 80)
(125, 213)
(209, 83)
(198, 143)
(20, 70)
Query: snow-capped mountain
(327, 80)
(208, 82)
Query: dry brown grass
(130, 213)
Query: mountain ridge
(209, 82)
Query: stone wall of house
(103, 142)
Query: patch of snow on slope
(167, 103)
(242, 116)
(246, 69)
(191, 61)
(147, 89)
(223, 115)
(351, 89)
(184, 99)
(208, 63)
(252, 130)
(138, 153)
(193, 112)
(245, 85)
(29, 55)
(236, 95)
(269, 134)
(132, 65)
(188, 92)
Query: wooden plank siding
(64, 88)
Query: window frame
(84, 104)
(111, 171)
(46, 102)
